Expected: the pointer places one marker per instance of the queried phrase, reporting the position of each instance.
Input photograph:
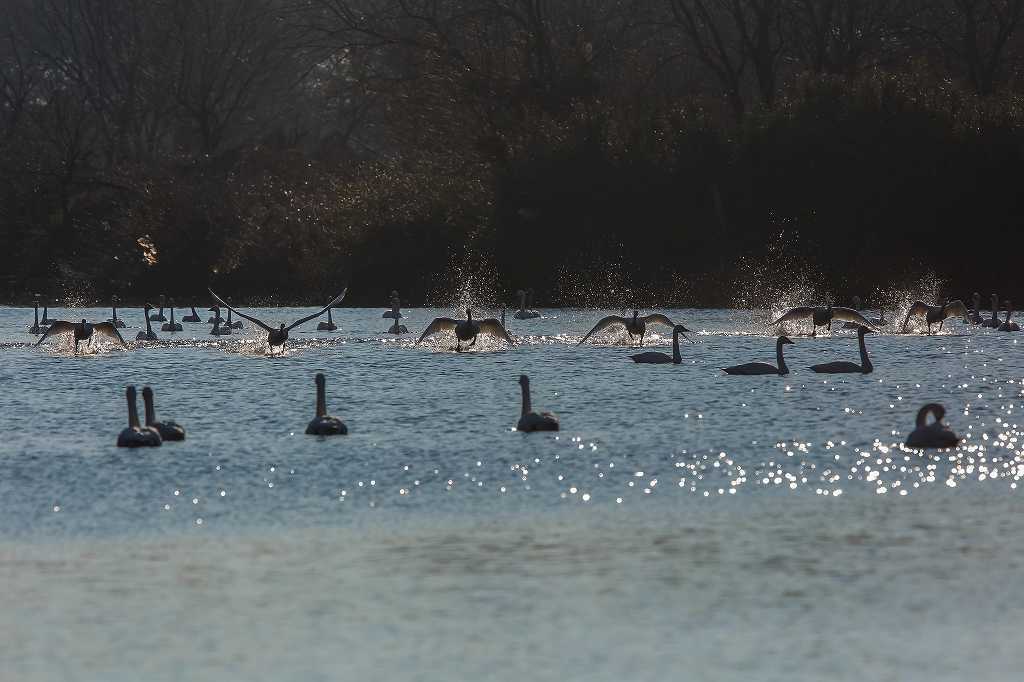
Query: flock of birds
(926, 434)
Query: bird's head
(320, 379)
(524, 380)
(84, 322)
(636, 314)
(469, 314)
(147, 393)
(680, 329)
(215, 309)
(282, 326)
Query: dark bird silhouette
(323, 424)
(168, 430)
(936, 313)
(277, 337)
(530, 420)
(468, 329)
(113, 317)
(171, 326)
(83, 331)
(1009, 326)
(822, 316)
(865, 366)
(136, 436)
(149, 334)
(755, 368)
(635, 326)
(658, 358)
(934, 435)
(159, 317)
(194, 317)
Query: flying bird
(468, 329)
(83, 331)
(277, 337)
(635, 326)
(822, 316)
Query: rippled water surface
(684, 524)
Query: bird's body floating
(277, 337)
(658, 358)
(113, 316)
(236, 324)
(136, 436)
(399, 328)
(934, 435)
(323, 424)
(218, 328)
(975, 312)
(865, 366)
(1009, 325)
(149, 334)
(936, 314)
(758, 368)
(994, 321)
(194, 317)
(47, 320)
(635, 326)
(524, 312)
(468, 329)
(168, 430)
(822, 316)
(530, 420)
(83, 331)
(159, 317)
(327, 326)
(171, 326)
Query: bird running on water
(83, 331)
(822, 316)
(635, 326)
(936, 313)
(468, 329)
(277, 337)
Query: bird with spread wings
(277, 337)
(83, 331)
(936, 313)
(635, 326)
(823, 315)
(468, 329)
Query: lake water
(684, 524)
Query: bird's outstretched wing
(798, 313)
(658, 318)
(256, 322)
(604, 323)
(56, 329)
(109, 330)
(336, 301)
(851, 315)
(494, 327)
(440, 324)
(956, 307)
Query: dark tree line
(654, 147)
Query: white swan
(841, 367)
(757, 368)
(277, 337)
(524, 313)
(936, 313)
(658, 358)
(530, 420)
(83, 331)
(468, 329)
(323, 424)
(1009, 326)
(149, 334)
(821, 316)
(635, 326)
(934, 435)
(136, 436)
(168, 430)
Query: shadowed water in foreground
(684, 523)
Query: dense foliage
(594, 150)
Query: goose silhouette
(468, 329)
(136, 436)
(168, 430)
(149, 334)
(323, 424)
(936, 313)
(635, 326)
(658, 358)
(757, 368)
(83, 331)
(934, 435)
(865, 366)
(528, 419)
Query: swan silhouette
(213, 319)
(171, 326)
(398, 327)
(47, 320)
(136, 436)
(159, 317)
(194, 317)
(524, 313)
(149, 334)
(756, 368)
(821, 316)
(934, 435)
(658, 358)
(865, 366)
(218, 330)
(994, 321)
(323, 424)
(277, 337)
(936, 313)
(235, 325)
(83, 331)
(37, 328)
(327, 326)
(113, 318)
(468, 329)
(635, 326)
(395, 304)
(1009, 326)
(530, 420)
(168, 430)
(975, 313)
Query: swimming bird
(113, 318)
(467, 329)
(136, 436)
(218, 330)
(194, 317)
(47, 320)
(635, 326)
(327, 326)
(213, 319)
(277, 337)
(168, 430)
(822, 316)
(754, 368)
(934, 435)
(398, 327)
(395, 303)
(236, 325)
(171, 326)
(975, 314)
(323, 424)
(37, 328)
(1009, 326)
(524, 313)
(83, 331)
(530, 420)
(149, 334)
(865, 366)
(159, 317)
(994, 321)
(658, 358)
(936, 313)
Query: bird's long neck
(526, 397)
(329, 319)
(865, 362)
(995, 308)
(677, 357)
(1009, 313)
(37, 314)
(172, 315)
(114, 307)
(522, 302)
(133, 411)
(147, 399)
(149, 327)
(781, 360)
(194, 313)
(321, 400)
